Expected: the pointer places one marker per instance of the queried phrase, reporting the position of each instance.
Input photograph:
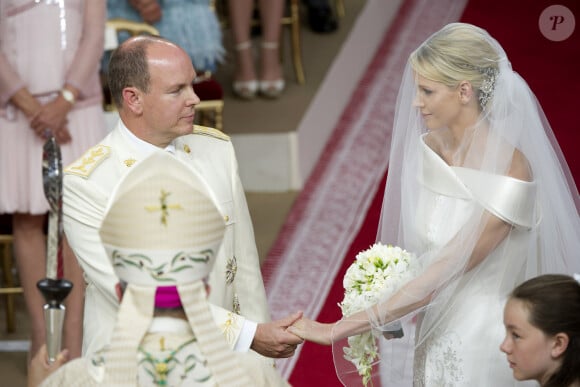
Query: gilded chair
(207, 110)
(112, 29)
(8, 289)
(340, 8)
(293, 21)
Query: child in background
(542, 320)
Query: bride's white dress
(462, 347)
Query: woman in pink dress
(49, 60)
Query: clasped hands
(273, 339)
(51, 118)
(314, 331)
(280, 338)
(327, 333)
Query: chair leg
(296, 47)
(218, 118)
(201, 118)
(9, 283)
(206, 119)
(340, 8)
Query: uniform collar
(143, 147)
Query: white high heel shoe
(245, 89)
(271, 89)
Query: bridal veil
(440, 209)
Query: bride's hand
(311, 330)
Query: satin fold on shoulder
(510, 199)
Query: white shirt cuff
(246, 337)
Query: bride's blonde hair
(458, 52)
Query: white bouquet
(376, 273)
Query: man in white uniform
(162, 232)
(150, 80)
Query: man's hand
(39, 369)
(273, 340)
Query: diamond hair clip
(487, 86)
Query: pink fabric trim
(167, 297)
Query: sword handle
(54, 292)
(54, 322)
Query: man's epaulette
(207, 131)
(84, 166)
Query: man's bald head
(128, 66)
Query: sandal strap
(270, 45)
(243, 46)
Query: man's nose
(192, 97)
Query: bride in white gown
(479, 190)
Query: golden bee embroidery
(236, 305)
(231, 269)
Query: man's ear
(465, 91)
(132, 98)
(119, 291)
(560, 344)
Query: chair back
(8, 288)
(113, 28)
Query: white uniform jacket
(236, 280)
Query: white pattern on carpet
(328, 213)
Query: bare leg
(241, 17)
(271, 12)
(30, 250)
(73, 324)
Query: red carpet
(315, 366)
(549, 67)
